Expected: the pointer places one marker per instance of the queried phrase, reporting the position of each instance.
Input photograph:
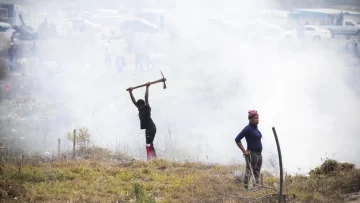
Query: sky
(306, 90)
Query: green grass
(94, 181)
(97, 180)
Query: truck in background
(338, 22)
(347, 27)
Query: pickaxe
(154, 82)
(248, 161)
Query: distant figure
(356, 47)
(82, 26)
(341, 18)
(254, 148)
(142, 57)
(334, 20)
(8, 87)
(34, 49)
(45, 23)
(43, 27)
(120, 63)
(35, 53)
(129, 38)
(142, 60)
(107, 53)
(12, 56)
(300, 31)
(9, 90)
(351, 46)
(162, 22)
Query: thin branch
(250, 198)
(20, 165)
(264, 186)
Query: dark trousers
(256, 163)
(150, 136)
(11, 63)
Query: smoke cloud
(307, 90)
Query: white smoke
(214, 78)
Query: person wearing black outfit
(146, 122)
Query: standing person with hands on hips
(146, 122)
(254, 147)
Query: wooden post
(3, 151)
(280, 165)
(59, 147)
(74, 138)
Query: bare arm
(147, 94)
(132, 97)
(241, 147)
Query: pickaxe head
(164, 79)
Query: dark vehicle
(23, 32)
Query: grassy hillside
(116, 178)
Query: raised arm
(147, 94)
(132, 97)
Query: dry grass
(326, 183)
(97, 179)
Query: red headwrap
(252, 113)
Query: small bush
(10, 189)
(332, 167)
(141, 195)
(329, 181)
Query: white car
(272, 33)
(312, 32)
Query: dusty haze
(307, 91)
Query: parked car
(272, 32)
(312, 32)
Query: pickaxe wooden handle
(154, 82)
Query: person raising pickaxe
(145, 121)
(145, 116)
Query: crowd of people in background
(115, 56)
(138, 48)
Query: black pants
(256, 163)
(150, 136)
